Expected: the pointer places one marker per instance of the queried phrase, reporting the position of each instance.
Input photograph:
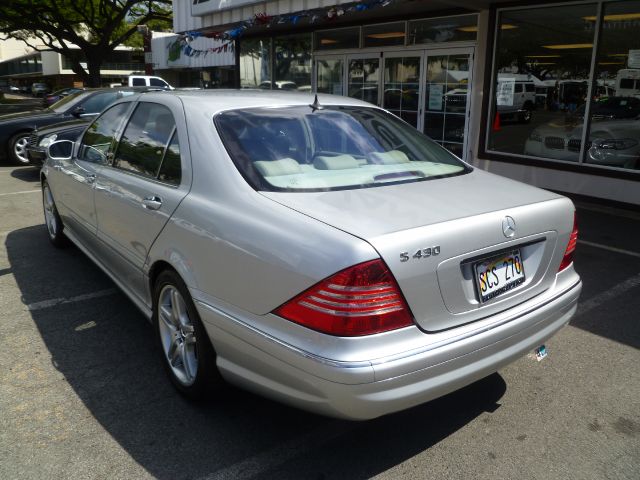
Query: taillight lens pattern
(361, 300)
(571, 246)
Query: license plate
(497, 275)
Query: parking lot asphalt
(83, 393)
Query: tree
(95, 27)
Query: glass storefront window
(446, 94)
(383, 35)
(541, 79)
(255, 63)
(614, 134)
(447, 29)
(293, 62)
(329, 77)
(364, 79)
(337, 39)
(402, 87)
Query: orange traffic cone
(496, 122)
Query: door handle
(90, 178)
(152, 202)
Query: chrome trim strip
(299, 351)
(409, 353)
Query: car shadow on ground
(28, 174)
(103, 346)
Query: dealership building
(543, 92)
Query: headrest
(339, 162)
(389, 158)
(274, 168)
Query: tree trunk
(93, 65)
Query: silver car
(318, 251)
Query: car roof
(214, 101)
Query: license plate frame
(502, 267)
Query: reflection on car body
(282, 245)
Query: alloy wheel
(177, 335)
(50, 212)
(20, 149)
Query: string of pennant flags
(182, 45)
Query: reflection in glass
(255, 63)
(448, 29)
(337, 38)
(446, 95)
(543, 59)
(293, 62)
(364, 79)
(383, 35)
(401, 87)
(329, 76)
(614, 134)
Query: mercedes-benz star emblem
(508, 227)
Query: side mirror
(76, 112)
(60, 150)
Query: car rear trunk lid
(433, 235)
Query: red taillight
(571, 247)
(360, 300)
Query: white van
(147, 81)
(628, 82)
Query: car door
(76, 178)
(139, 192)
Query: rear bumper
(360, 390)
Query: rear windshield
(333, 148)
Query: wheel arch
(156, 269)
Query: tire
(52, 220)
(187, 354)
(525, 116)
(17, 146)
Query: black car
(52, 98)
(16, 128)
(40, 139)
(613, 108)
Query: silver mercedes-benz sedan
(316, 250)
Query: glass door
(402, 85)
(363, 78)
(330, 74)
(447, 93)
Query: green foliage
(96, 27)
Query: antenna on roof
(316, 105)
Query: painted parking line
(63, 300)
(19, 193)
(610, 294)
(608, 248)
(276, 456)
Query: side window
(529, 87)
(626, 83)
(171, 169)
(145, 139)
(518, 88)
(156, 82)
(138, 82)
(99, 137)
(98, 102)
